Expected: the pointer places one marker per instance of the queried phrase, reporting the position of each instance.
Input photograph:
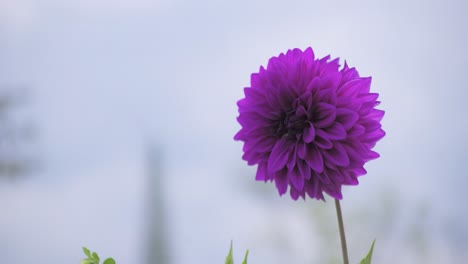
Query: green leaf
(109, 261)
(245, 258)
(88, 261)
(229, 259)
(86, 251)
(368, 258)
(95, 257)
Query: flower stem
(344, 250)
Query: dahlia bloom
(309, 125)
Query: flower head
(309, 125)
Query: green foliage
(109, 261)
(245, 258)
(368, 258)
(93, 258)
(230, 260)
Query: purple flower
(309, 125)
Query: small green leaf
(245, 258)
(86, 251)
(229, 259)
(88, 261)
(109, 261)
(95, 257)
(368, 258)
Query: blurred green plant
(368, 258)
(93, 258)
(230, 259)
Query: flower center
(290, 125)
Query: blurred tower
(156, 217)
(16, 134)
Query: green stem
(344, 250)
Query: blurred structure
(156, 216)
(16, 134)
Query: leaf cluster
(93, 258)
(230, 259)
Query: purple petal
(296, 178)
(281, 181)
(301, 111)
(308, 55)
(348, 74)
(306, 99)
(240, 135)
(334, 191)
(346, 117)
(294, 194)
(336, 131)
(304, 169)
(372, 155)
(324, 114)
(323, 177)
(326, 95)
(292, 158)
(356, 131)
(359, 171)
(337, 155)
(309, 133)
(374, 136)
(314, 84)
(314, 159)
(354, 87)
(321, 140)
(350, 178)
(301, 150)
(376, 114)
(312, 188)
(331, 80)
(355, 151)
(335, 176)
(279, 155)
(263, 144)
(368, 97)
(370, 125)
(262, 172)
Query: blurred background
(117, 119)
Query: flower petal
(281, 181)
(292, 158)
(346, 117)
(296, 178)
(313, 189)
(263, 144)
(314, 159)
(335, 177)
(304, 169)
(279, 156)
(262, 172)
(356, 131)
(334, 191)
(376, 114)
(324, 115)
(301, 150)
(322, 141)
(336, 131)
(309, 133)
(337, 155)
(370, 125)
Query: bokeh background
(117, 119)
